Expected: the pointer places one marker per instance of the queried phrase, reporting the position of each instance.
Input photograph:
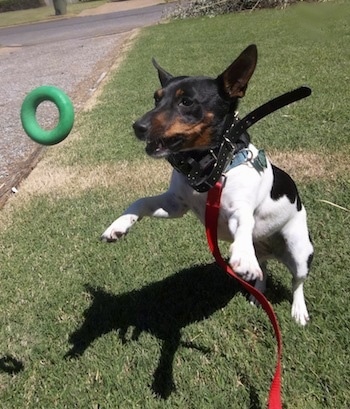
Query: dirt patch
(9, 50)
(19, 172)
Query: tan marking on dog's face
(158, 124)
(195, 135)
(159, 93)
(179, 93)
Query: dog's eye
(186, 102)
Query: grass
(151, 322)
(11, 18)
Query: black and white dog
(261, 212)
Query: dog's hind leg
(300, 270)
(297, 257)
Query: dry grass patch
(128, 180)
(72, 181)
(306, 166)
(149, 175)
(47, 180)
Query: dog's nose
(140, 129)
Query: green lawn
(150, 322)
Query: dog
(261, 213)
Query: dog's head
(189, 112)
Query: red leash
(211, 221)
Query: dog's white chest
(245, 191)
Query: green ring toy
(30, 123)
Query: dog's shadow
(162, 309)
(10, 365)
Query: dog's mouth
(162, 148)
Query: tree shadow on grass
(162, 309)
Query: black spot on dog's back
(283, 185)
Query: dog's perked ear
(164, 76)
(234, 80)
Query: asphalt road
(73, 54)
(80, 27)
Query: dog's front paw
(299, 312)
(245, 264)
(118, 229)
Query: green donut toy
(30, 123)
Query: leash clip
(250, 155)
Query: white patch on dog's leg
(299, 310)
(119, 228)
(242, 253)
(245, 263)
(166, 205)
(297, 257)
